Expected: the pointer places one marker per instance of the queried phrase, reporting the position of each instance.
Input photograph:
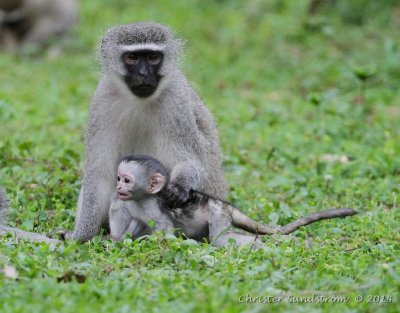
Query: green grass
(283, 88)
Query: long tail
(3, 205)
(33, 237)
(315, 217)
(242, 221)
(19, 234)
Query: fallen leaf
(70, 275)
(10, 272)
(332, 158)
(108, 269)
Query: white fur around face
(114, 62)
(142, 46)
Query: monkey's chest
(153, 141)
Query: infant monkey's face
(125, 182)
(138, 180)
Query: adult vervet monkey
(144, 104)
(26, 23)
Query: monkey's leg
(119, 219)
(165, 225)
(134, 228)
(93, 207)
(241, 239)
(220, 234)
(121, 222)
(138, 229)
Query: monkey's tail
(242, 221)
(33, 237)
(19, 234)
(3, 205)
(315, 217)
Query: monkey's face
(142, 71)
(131, 181)
(125, 185)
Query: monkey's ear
(157, 182)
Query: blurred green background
(307, 106)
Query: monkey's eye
(127, 181)
(153, 58)
(118, 178)
(131, 58)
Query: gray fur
(202, 216)
(4, 201)
(211, 219)
(125, 216)
(173, 125)
(134, 204)
(17, 233)
(33, 22)
(138, 33)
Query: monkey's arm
(101, 157)
(93, 207)
(200, 170)
(196, 144)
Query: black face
(143, 69)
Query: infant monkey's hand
(175, 195)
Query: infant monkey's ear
(156, 183)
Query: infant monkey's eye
(127, 181)
(118, 178)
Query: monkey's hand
(185, 176)
(176, 195)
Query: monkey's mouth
(123, 195)
(143, 90)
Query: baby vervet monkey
(136, 202)
(139, 199)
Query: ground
(307, 108)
